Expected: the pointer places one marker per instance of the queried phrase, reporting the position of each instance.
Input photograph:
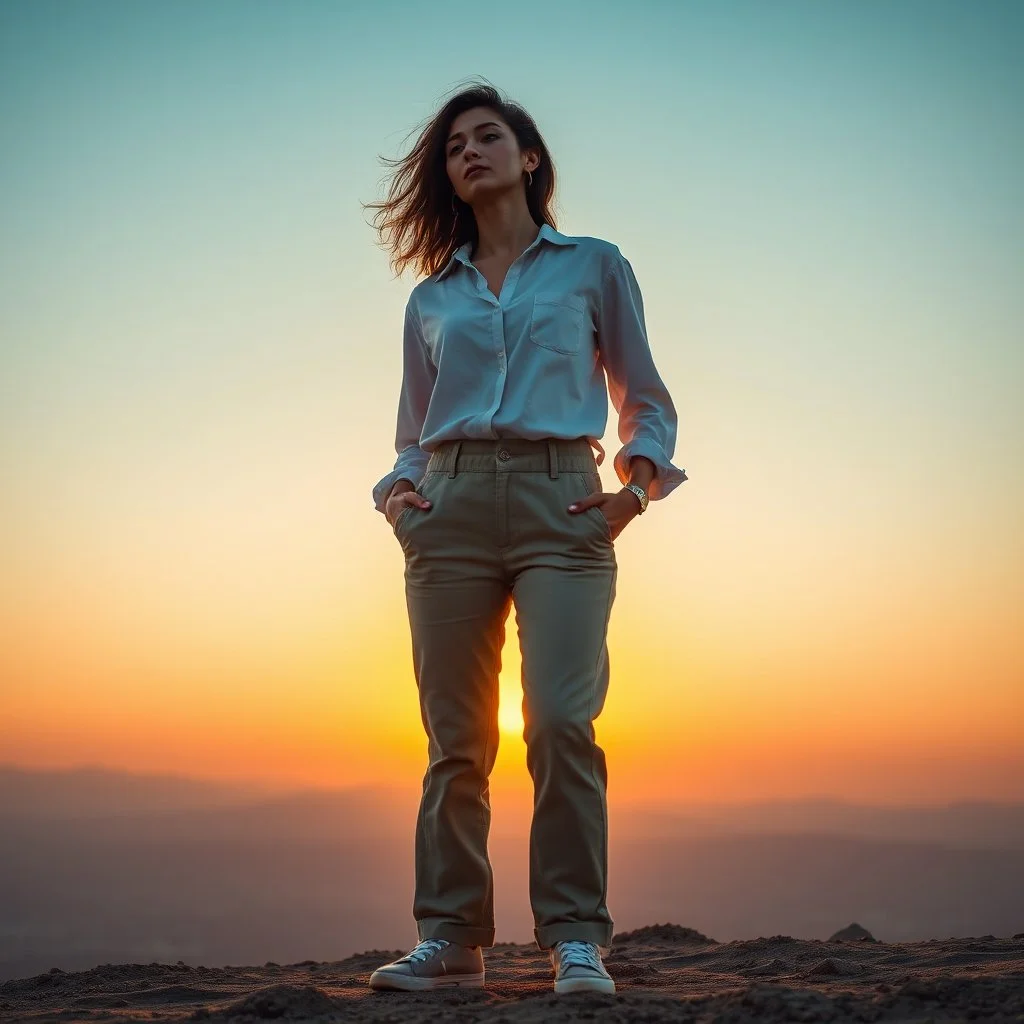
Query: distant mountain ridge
(181, 802)
(89, 790)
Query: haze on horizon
(105, 867)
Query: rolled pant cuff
(463, 934)
(549, 934)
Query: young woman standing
(496, 500)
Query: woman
(496, 499)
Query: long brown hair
(416, 222)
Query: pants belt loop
(453, 457)
(552, 459)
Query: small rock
(853, 933)
(828, 966)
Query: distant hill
(108, 793)
(88, 791)
(963, 823)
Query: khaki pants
(498, 533)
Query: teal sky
(200, 338)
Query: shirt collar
(547, 232)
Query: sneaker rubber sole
(413, 983)
(568, 985)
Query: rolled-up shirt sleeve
(647, 415)
(418, 376)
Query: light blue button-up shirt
(532, 361)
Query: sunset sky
(200, 356)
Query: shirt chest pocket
(558, 321)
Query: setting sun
(510, 708)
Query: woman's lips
(475, 170)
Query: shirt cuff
(383, 488)
(667, 477)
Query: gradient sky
(200, 362)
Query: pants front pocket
(592, 483)
(425, 485)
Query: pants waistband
(514, 454)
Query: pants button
(503, 455)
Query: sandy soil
(662, 973)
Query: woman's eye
(455, 148)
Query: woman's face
(479, 137)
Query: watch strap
(641, 495)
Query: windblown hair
(417, 223)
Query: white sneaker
(579, 968)
(433, 963)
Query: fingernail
(572, 508)
(426, 504)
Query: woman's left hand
(618, 508)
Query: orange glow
(510, 708)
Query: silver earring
(529, 179)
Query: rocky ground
(661, 972)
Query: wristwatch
(641, 494)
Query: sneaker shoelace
(584, 954)
(425, 949)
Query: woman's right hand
(401, 495)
